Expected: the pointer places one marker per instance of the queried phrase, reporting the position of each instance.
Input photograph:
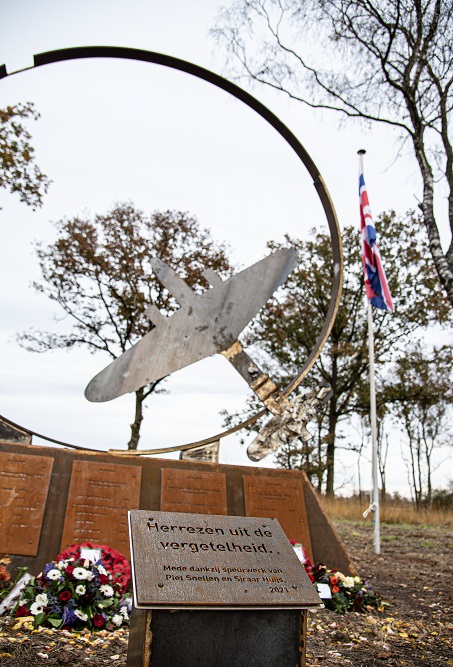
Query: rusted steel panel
(282, 499)
(327, 546)
(100, 495)
(24, 484)
(220, 562)
(193, 491)
(224, 638)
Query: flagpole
(373, 419)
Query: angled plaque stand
(215, 590)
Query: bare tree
(390, 61)
(289, 326)
(421, 394)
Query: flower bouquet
(75, 594)
(347, 593)
(114, 562)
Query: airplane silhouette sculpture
(205, 324)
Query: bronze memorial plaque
(100, 495)
(212, 561)
(24, 483)
(282, 499)
(193, 491)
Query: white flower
(102, 570)
(41, 599)
(106, 590)
(117, 619)
(357, 580)
(36, 609)
(348, 582)
(81, 573)
(80, 589)
(86, 563)
(53, 574)
(60, 565)
(123, 610)
(80, 614)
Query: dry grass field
(413, 574)
(400, 512)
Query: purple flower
(69, 618)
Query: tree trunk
(441, 260)
(333, 420)
(135, 427)
(330, 457)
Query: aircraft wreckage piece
(290, 424)
(205, 324)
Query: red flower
(103, 579)
(4, 574)
(333, 581)
(98, 621)
(22, 611)
(69, 570)
(335, 589)
(114, 562)
(65, 596)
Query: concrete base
(204, 638)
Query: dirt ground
(414, 576)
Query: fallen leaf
(384, 655)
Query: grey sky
(116, 131)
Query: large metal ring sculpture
(83, 52)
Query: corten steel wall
(325, 544)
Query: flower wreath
(76, 593)
(114, 562)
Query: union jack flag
(377, 289)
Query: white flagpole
(374, 461)
(373, 419)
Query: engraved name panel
(193, 491)
(100, 495)
(24, 484)
(282, 499)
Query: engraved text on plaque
(193, 491)
(24, 483)
(100, 495)
(282, 499)
(219, 562)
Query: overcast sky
(113, 131)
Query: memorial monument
(248, 578)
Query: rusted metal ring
(83, 52)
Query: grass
(400, 512)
